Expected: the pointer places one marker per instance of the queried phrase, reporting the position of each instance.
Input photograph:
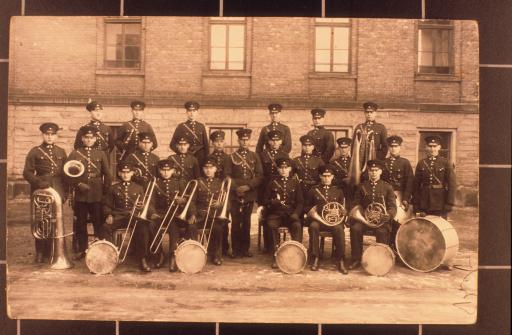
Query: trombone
(164, 225)
(222, 217)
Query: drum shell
(381, 265)
(102, 257)
(190, 256)
(291, 257)
(447, 242)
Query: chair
(323, 235)
(117, 236)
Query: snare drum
(291, 257)
(190, 256)
(424, 243)
(378, 259)
(102, 257)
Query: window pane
(323, 38)
(330, 20)
(445, 41)
(236, 35)
(341, 38)
(131, 53)
(114, 33)
(425, 40)
(236, 54)
(322, 57)
(322, 68)
(442, 59)
(218, 35)
(217, 65)
(236, 66)
(425, 59)
(110, 53)
(132, 39)
(340, 68)
(340, 57)
(218, 55)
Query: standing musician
(118, 203)
(43, 169)
(434, 182)
(284, 202)
(128, 137)
(223, 165)
(206, 199)
(104, 138)
(187, 166)
(371, 191)
(194, 131)
(398, 173)
(268, 157)
(341, 166)
(306, 165)
(274, 111)
(143, 160)
(374, 134)
(318, 196)
(168, 189)
(247, 175)
(88, 188)
(323, 138)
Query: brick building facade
(423, 74)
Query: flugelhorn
(74, 168)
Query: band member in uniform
(168, 189)
(194, 131)
(207, 187)
(398, 173)
(341, 166)
(104, 138)
(128, 138)
(434, 182)
(306, 165)
(268, 157)
(223, 164)
(247, 175)
(374, 134)
(89, 188)
(284, 202)
(144, 161)
(43, 169)
(274, 111)
(323, 139)
(318, 196)
(187, 166)
(117, 207)
(370, 191)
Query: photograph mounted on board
(231, 169)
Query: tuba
(332, 214)
(74, 168)
(47, 223)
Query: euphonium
(47, 223)
(74, 168)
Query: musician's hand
(217, 204)
(448, 208)
(239, 193)
(386, 217)
(421, 214)
(109, 220)
(43, 184)
(181, 200)
(192, 219)
(294, 217)
(83, 187)
(343, 212)
(139, 205)
(155, 216)
(405, 203)
(243, 188)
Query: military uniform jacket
(263, 138)
(187, 166)
(44, 164)
(324, 143)
(164, 192)
(434, 184)
(128, 138)
(398, 173)
(268, 162)
(289, 192)
(306, 170)
(379, 136)
(147, 163)
(104, 138)
(341, 167)
(380, 191)
(195, 132)
(319, 195)
(96, 174)
(206, 187)
(223, 166)
(246, 169)
(120, 198)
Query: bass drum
(401, 214)
(378, 259)
(424, 243)
(291, 257)
(102, 257)
(190, 256)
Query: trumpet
(166, 221)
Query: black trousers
(82, 209)
(225, 239)
(338, 238)
(241, 226)
(274, 221)
(215, 242)
(357, 230)
(175, 234)
(44, 247)
(141, 237)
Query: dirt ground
(241, 290)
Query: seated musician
(143, 160)
(117, 207)
(187, 165)
(371, 191)
(168, 189)
(208, 207)
(318, 196)
(284, 201)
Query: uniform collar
(48, 146)
(126, 183)
(369, 123)
(285, 178)
(242, 150)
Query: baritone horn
(47, 223)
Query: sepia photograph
(243, 169)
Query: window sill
(326, 75)
(229, 74)
(436, 77)
(120, 72)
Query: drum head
(190, 256)
(421, 244)
(378, 259)
(101, 257)
(291, 257)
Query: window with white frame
(227, 44)
(435, 47)
(231, 138)
(338, 132)
(123, 44)
(332, 45)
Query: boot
(144, 265)
(355, 264)
(172, 264)
(314, 265)
(160, 260)
(341, 267)
(39, 257)
(274, 263)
